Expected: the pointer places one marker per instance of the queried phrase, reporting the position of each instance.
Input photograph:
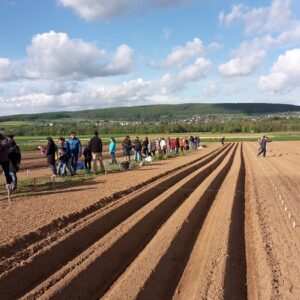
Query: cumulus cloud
(181, 55)
(196, 71)
(91, 10)
(277, 25)
(284, 74)
(55, 55)
(273, 18)
(7, 71)
(246, 59)
(68, 95)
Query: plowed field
(220, 223)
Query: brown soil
(214, 224)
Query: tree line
(243, 126)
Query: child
(112, 150)
(63, 159)
(87, 153)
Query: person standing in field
(127, 147)
(181, 144)
(14, 156)
(96, 147)
(50, 153)
(4, 161)
(177, 143)
(222, 140)
(64, 157)
(75, 150)
(112, 150)
(137, 144)
(87, 153)
(145, 146)
(263, 145)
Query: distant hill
(158, 112)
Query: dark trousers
(73, 161)
(262, 151)
(87, 164)
(5, 167)
(113, 158)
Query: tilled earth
(214, 224)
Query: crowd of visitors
(62, 156)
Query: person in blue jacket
(112, 150)
(75, 150)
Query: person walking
(263, 146)
(75, 150)
(112, 150)
(96, 147)
(127, 147)
(14, 156)
(50, 153)
(87, 153)
(145, 147)
(4, 161)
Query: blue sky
(82, 54)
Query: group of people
(10, 159)
(63, 156)
(149, 147)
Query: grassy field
(32, 142)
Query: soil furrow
(235, 282)
(157, 270)
(219, 248)
(59, 224)
(76, 243)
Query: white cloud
(121, 62)
(181, 55)
(98, 9)
(273, 18)
(55, 55)
(196, 71)
(284, 74)
(105, 10)
(246, 60)
(7, 71)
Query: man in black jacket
(4, 161)
(96, 147)
(14, 156)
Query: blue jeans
(138, 155)
(113, 158)
(72, 163)
(61, 169)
